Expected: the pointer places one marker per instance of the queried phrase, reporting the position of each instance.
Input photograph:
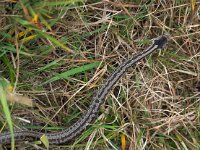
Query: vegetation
(59, 52)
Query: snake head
(161, 41)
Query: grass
(6, 112)
(60, 52)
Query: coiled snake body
(78, 127)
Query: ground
(56, 54)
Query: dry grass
(155, 105)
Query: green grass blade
(7, 114)
(74, 71)
(10, 69)
(56, 3)
(7, 47)
(53, 63)
(55, 41)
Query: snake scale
(91, 114)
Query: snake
(70, 133)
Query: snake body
(91, 115)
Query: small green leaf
(45, 141)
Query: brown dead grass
(155, 105)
